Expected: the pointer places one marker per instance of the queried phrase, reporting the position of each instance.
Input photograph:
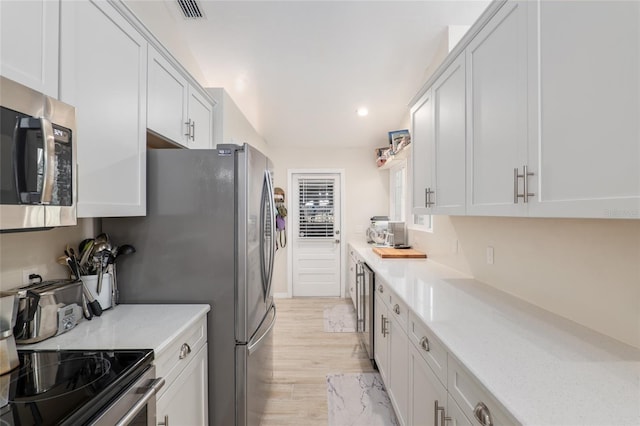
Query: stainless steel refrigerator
(208, 237)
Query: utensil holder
(104, 297)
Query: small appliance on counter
(398, 230)
(377, 229)
(8, 352)
(47, 309)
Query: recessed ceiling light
(362, 112)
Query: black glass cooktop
(67, 387)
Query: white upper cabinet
(587, 150)
(496, 61)
(448, 172)
(422, 130)
(29, 47)
(201, 116)
(103, 74)
(177, 111)
(167, 102)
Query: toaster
(47, 309)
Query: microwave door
(21, 156)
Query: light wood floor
(303, 355)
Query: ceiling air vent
(190, 8)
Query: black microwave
(37, 159)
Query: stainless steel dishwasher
(365, 292)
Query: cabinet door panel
(398, 378)
(380, 341)
(424, 390)
(422, 152)
(185, 401)
(497, 104)
(450, 139)
(167, 101)
(103, 74)
(29, 47)
(588, 152)
(201, 115)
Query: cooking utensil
(118, 252)
(92, 304)
(85, 252)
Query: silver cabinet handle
(188, 134)
(337, 241)
(151, 391)
(184, 351)
(166, 421)
(439, 410)
(380, 288)
(384, 323)
(396, 309)
(525, 178)
(482, 414)
(424, 343)
(193, 130)
(515, 185)
(427, 197)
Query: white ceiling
(300, 69)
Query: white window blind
(316, 203)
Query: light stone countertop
(128, 327)
(544, 369)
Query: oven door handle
(152, 390)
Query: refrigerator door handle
(255, 344)
(272, 229)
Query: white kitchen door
(316, 233)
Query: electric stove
(67, 387)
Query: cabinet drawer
(174, 358)
(470, 394)
(429, 347)
(399, 310)
(383, 290)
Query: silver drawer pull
(482, 414)
(184, 351)
(166, 421)
(424, 342)
(396, 309)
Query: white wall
(586, 270)
(367, 190)
(230, 125)
(39, 250)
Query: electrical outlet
(26, 272)
(489, 255)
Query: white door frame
(343, 226)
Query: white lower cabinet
(426, 392)
(426, 384)
(398, 374)
(182, 402)
(381, 353)
(183, 364)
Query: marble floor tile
(339, 319)
(358, 400)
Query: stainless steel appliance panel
(254, 373)
(366, 302)
(191, 248)
(38, 159)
